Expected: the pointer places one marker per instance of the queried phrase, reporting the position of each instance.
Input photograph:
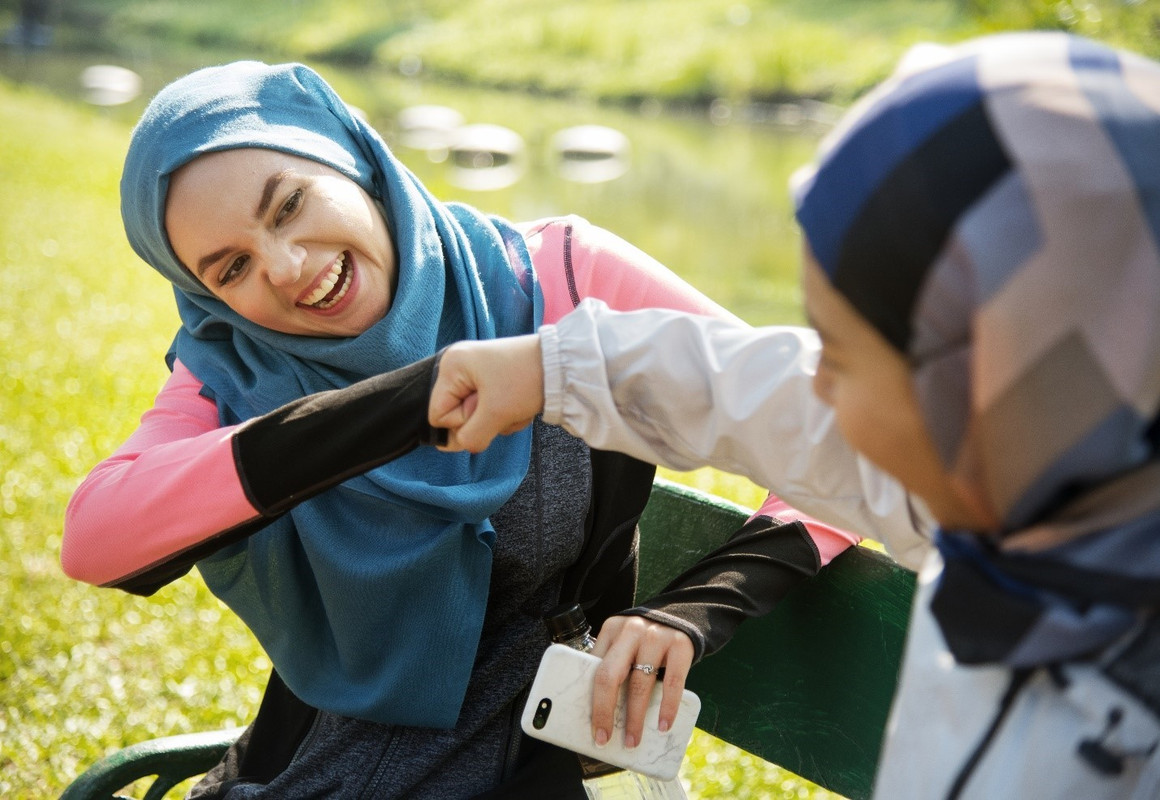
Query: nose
(285, 268)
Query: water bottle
(569, 626)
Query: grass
(83, 323)
(85, 670)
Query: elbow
(70, 561)
(76, 545)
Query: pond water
(703, 193)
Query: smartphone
(559, 711)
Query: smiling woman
(399, 591)
(310, 253)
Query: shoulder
(552, 236)
(183, 396)
(556, 248)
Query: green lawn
(83, 324)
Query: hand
(485, 389)
(629, 640)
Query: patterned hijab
(994, 212)
(370, 597)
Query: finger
(678, 661)
(452, 445)
(456, 416)
(453, 385)
(482, 427)
(606, 688)
(444, 411)
(470, 403)
(455, 441)
(609, 632)
(641, 684)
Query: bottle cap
(566, 622)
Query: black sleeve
(745, 577)
(305, 447)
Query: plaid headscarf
(994, 212)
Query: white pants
(943, 710)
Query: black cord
(1018, 678)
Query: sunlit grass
(82, 327)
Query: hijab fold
(370, 598)
(994, 211)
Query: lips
(332, 288)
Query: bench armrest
(172, 759)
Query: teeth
(327, 284)
(337, 297)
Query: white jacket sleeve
(686, 391)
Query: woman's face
(868, 384)
(286, 242)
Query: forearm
(177, 493)
(745, 577)
(684, 391)
(312, 444)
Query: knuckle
(655, 634)
(635, 624)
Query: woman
(399, 592)
(983, 268)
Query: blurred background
(674, 123)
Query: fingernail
(601, 737)
(663, 725)
(629, 741)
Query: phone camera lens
(540, 718)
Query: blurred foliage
(679, 51)
(716, 769)
(1132, 24)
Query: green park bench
(807, 687)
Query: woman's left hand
(627, 641)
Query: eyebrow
(271, 186)
(268, 190)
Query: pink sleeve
(575, 259)
(829, 540)
(171, 486)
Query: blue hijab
(369, 598)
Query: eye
(292, 204)
(232, 270)
(825, 375)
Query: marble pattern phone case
(559, 711)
